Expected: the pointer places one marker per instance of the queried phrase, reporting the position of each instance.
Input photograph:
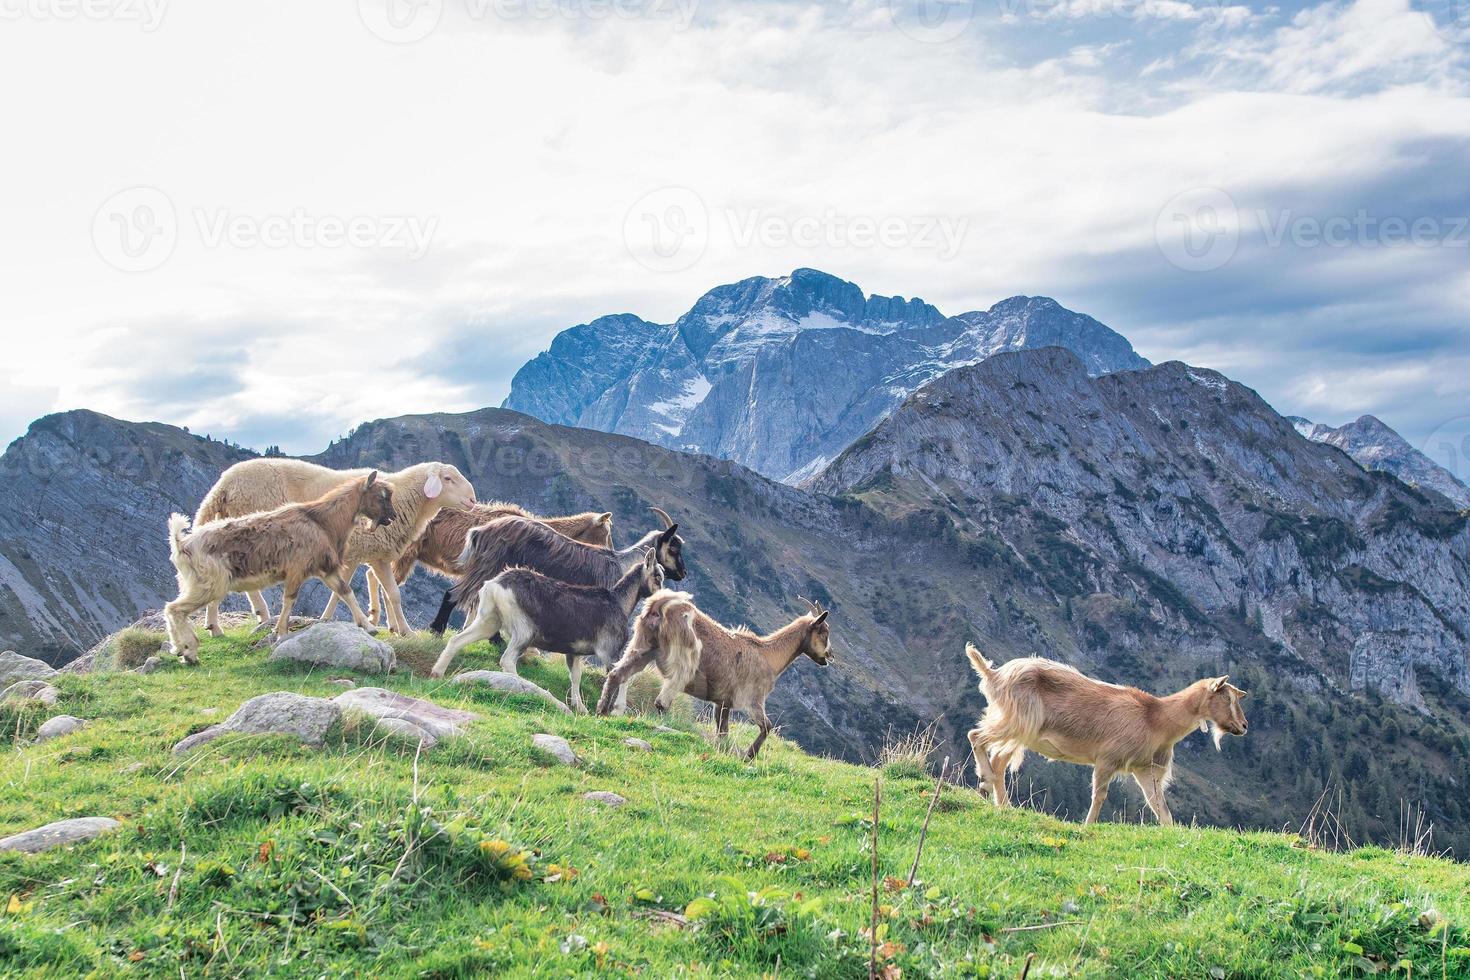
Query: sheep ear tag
(433, 486)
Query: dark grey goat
(519, 542)
(578, 620)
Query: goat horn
(816, 609)
(668, 521)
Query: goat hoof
(216, 631)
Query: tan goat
(732, 668)
(290, 544)
(1052, 709)
(442, 542)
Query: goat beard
(1218, 734)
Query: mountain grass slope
(256, 855)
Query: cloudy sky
(273, 221)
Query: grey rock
(510, 684)
(638, 743)
(14, 668)
(59, 726)
(59, 834)
(149, 666)
(342, 646)
(131, 768)
(556, 747)
(407, 729)
(605, 798)
(343, 682)
(718, 380)
(283, 713)
(437, 720)
(34, 690)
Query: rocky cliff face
(1377, 447)
(83, 503)
(1183, 494)
(782, 374)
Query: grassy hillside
(482, 856)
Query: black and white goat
(529, 609)
(520, 542)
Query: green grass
(481, 857)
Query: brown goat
(442, 542)
(290, 544)
(732, 668)
(1055, 710)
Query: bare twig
(1025, 970)
(924, 831)
(873, 917)
(173, 889)
(1043, 925)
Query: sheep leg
(373, 610)
(342, 589)
(990, 784)
(722, 723)
(392, 601)
(485, 625)
(1101, 776)
(757, 715)
(1152, 784)
(288, 600)
(574, 695)
(259, 607)
(211, 619)
(330, 613)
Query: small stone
(339, 645)
(57, 834)
(437, 720)
(605, 798)
(14, 667)
(668, 731)
(209, 711)
(408, 730)
(556, 747)
(32, 690)
(59, 726)
(128, 770)
(149, 666)
(638, 743)
(343, 682)
(511, 684)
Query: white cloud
(527, 141)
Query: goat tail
(983, 667)
(177, 525)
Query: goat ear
(605, 519)
(1219, 682)
(650, 558)
(372, 478)
(820, 619)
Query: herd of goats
(558, 584)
